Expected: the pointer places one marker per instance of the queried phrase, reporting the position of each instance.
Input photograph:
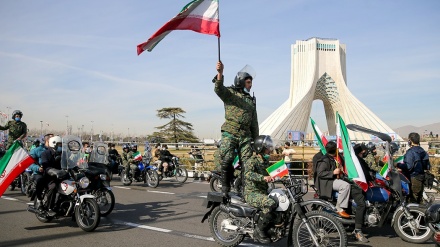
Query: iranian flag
(13, 163)
(322, 141)
(354, 169)
(386, 167)
(398, 160)
(137, 156)
(278, 169)
(236, 162)
(339, 144)
(199, 16)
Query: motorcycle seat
(59, 174)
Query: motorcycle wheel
(181, 174)
(152, 178)
(328, 230)
(217, 220)
(215, 184)
(87, 215)
(106, 201)
(124, 179)
(40, 217)
(402, 226)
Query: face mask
(59, 149)
(266, 156)
(17, 119)
(246, 90)
(364, 155)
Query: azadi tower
(318, 72)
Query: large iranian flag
(354, 169)
(199, 15)
(13, 163)
(322, 141)
(278, 169)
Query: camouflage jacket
(124, 158)
(371, 161)
(240, 111)
(254, 172)
(217, 160)
(16, 130)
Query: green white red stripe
(354, 169)
(398, 160)
(278, 169)
(199, 15)
(236, 162)
(12, 164)
(322, 141)
(137, 156)
(386, 167)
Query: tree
(176, 130)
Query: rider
(35, 144)
(165, 158)
(125, 152)
(372, 158)
(255, 191)
(241, 122)
(358, 194)
(327, 179)
(50, 158)
(113, 154)
(17, 128)
(36, 168)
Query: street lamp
(91, 136)
(128, 134)
(67, 129)
(41, 122)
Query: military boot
(261, 229)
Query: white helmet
(54, 140)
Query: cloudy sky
(78, 59)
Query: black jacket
(50, 159)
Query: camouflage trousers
(259, 200)
(232, 144)
(416, 190)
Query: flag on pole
(398, 160)
(386, 167)
(199, 16)
(12, 164)
(137, 156)
(278, 169)
(339, 145)
(322, 141)
(354, 169)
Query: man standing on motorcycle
(50, 158)
(256, 178)
(328, 179)
(241, 123)
(415, 163)
(17, 128)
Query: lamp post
(128, 135)
(91, 136)
(82, 131)
(67, 129)
(41, 126)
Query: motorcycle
(231, 222)
(172, 168)
(388, 199)
(67, 194)
(433, 219)
(215, 182)
(142, 171)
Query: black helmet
(240, 78)
(432, 213)
(36, 142)
(394, 147)
(125, 146)
(134, 146)
(17, 112)
(262, 143)
(371, 147)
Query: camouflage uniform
(238, 130)
(255, 192)
(17, 129)
(125, 162)
(217, 160)
(371, 161)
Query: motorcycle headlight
(103, 176)
(84, 182)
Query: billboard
(295, 135)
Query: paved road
(165, 216)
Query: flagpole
(218, 38)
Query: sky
(75, 62)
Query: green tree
(176, 130)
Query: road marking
(204, 196)
(120, 187)
(162, 192)
(9, 198)
(198, 237)
(147, 227)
